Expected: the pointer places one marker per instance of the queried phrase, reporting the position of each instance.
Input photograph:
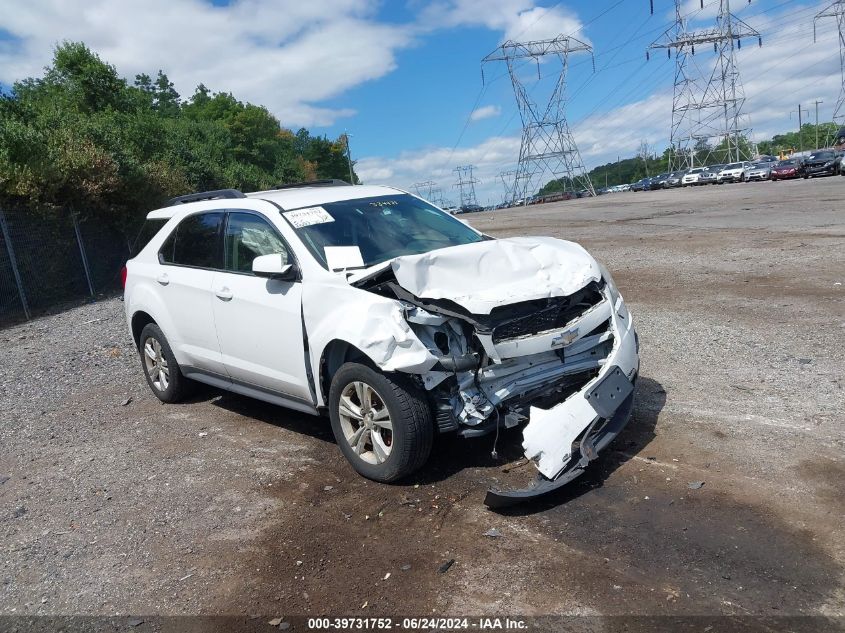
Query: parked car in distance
(470, 208)
(639, 185)
(374, 308)
(692, 176)
(734, 172)
(786, 169)
(710, 175)
(674, 179)
(759, 171)
(821, 163)
(657, 182)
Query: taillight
(123, 272)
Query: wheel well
(334, 355)
(139, 321)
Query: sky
(404, 77)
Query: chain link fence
(55, 258)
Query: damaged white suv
(396, 319)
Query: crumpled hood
(484, 275)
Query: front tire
(160, 367)
(382, 423)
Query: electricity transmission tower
(548, 149)
(706, 104)
(836, 10)
(466, 184)
(508, 178)
(424, 189)
(436, 197)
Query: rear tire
(160, 367)
(382, 423)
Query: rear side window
(147, 232)
(195, 242)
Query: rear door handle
(163, 279)
(224, 294)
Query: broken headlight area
(534, 364)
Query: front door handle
(163, 279)
(224, 294)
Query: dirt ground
(228, 506)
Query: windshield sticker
(308, 216)
(342, 257)
(384, 203)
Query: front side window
(379, 228)
(249, 236)
(195, 242)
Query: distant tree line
(646, 163)
(81, 137)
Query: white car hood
(484, 275)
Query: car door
(187, 261)
(259, 320)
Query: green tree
(80, 136)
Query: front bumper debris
(598, 436)
(562, 440)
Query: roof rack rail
(205, 195)
(325, 182)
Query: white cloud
(438, 163)
(485, 112)
(517, 19)
(288, 56)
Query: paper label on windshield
(343, 257)
(307, 217)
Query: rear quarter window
(148, 231)
(195, 242)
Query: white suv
(735, 172)
(394, 318)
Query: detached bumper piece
(598, 435)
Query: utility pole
(817, 102)
(548, 150)
(705, 107)
(346, 136)
(800, 131)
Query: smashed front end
(536, 344)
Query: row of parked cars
(823, 162)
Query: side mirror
(273, 267)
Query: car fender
(140, 297)
(372, 324)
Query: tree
(81, 136)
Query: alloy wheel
(366, 422)
(155, 364)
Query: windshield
(377, 229)
(787, 163)
(734, 166)
(822, 156)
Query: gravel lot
(112, 503)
